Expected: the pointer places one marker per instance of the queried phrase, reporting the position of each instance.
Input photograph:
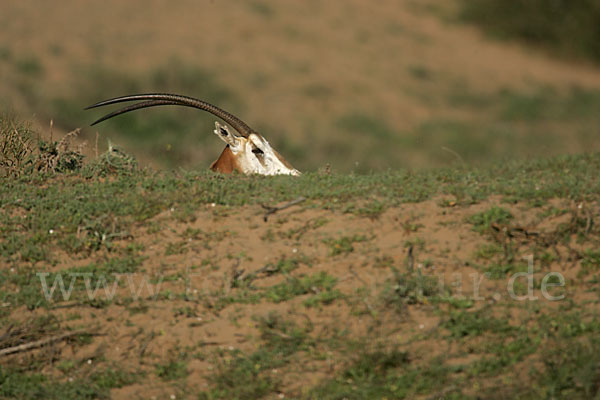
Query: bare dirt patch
(210, 278)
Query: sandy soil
(217, 245)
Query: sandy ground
(217, 246)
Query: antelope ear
(223, 132)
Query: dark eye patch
(257, 151)
(223, 132)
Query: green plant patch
(483, 221)
(344, 245)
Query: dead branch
(273, 210)
(41, 342)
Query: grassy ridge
(80, 199)
(567, 28)
(49, 206)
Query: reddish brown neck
(226, 163)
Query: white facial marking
(254, 154)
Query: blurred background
(361, 86)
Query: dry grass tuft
(21, 150)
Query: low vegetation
(562, 27)
(90, 224)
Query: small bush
(58, 156)
(113, 162)
(16, 138)
(22, 151)
(409, 288)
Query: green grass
(321, 285)
(474, 323)
(483, 221)
(412, 287)
(34, 386)
(488, 251)
(18, 384)
(90, 284)
(80, 212)
(249, 375)
(385, 373)
(591, 262)
(286, 265)
(345, 244)
(502, 269)
(571, 370)
(171, 370)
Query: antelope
(246, 150)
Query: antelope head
(246, 151)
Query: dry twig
(42, 342)
(273, 210)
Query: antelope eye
(223, 131)
(257, 151)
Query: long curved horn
(162, 99)
(143, 104)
